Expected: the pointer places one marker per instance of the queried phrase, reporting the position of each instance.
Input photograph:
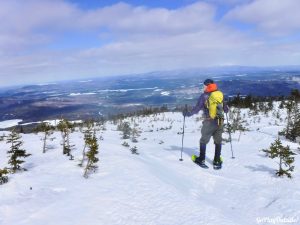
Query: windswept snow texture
(153, 187)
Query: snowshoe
(200, 163)
(218, 164)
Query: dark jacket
(201, 106)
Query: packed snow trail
(153, 187)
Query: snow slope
(9, 123)
(153, 187)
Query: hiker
(211, 102)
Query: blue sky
(47, 40)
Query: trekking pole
(229, 131)
(185, 110)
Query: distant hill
(111, 95)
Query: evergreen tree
(294, 133)
(270, 105)
(101, 124)
(248, 101)
(3, 178)
(65, 127)
(292, 130)
(47, 130)
(253, 109)
(295, 94)
(16, 152)
(88, 134)
(126, 129)
(289, 105)
(285, 155)
(261, 106)
(237, 122)
(135, 133)
(91, 155)
(281, 105)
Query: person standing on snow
(211, 102)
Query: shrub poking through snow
(3, 178)
(125, 144)
(2, 137)
(134, 150)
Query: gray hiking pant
(211, 128)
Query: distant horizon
(297, 67)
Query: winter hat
(208, 81)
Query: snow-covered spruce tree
(236, 123)
(91, 155)
(47, 130)
(88, 135)
(285, 155)
(294, 133)
(270, 105)
(295, 94)
(65, 127)
(101, 124)
(15, 152)
(236, 120)
(253, 109)
(294, 127)
(267, 106)
(292, 130)
(261, 106)
(126, 129)
(3, 178)
(135, 133)
(289, 105)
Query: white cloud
(228, 2)
(144, 39)
(43, 19)
(23, 23)
(30, 23)
(277, 17)
(206, 48)
(27, 16)
(125, 18)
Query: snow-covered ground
(9, 123)
(153, 187)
